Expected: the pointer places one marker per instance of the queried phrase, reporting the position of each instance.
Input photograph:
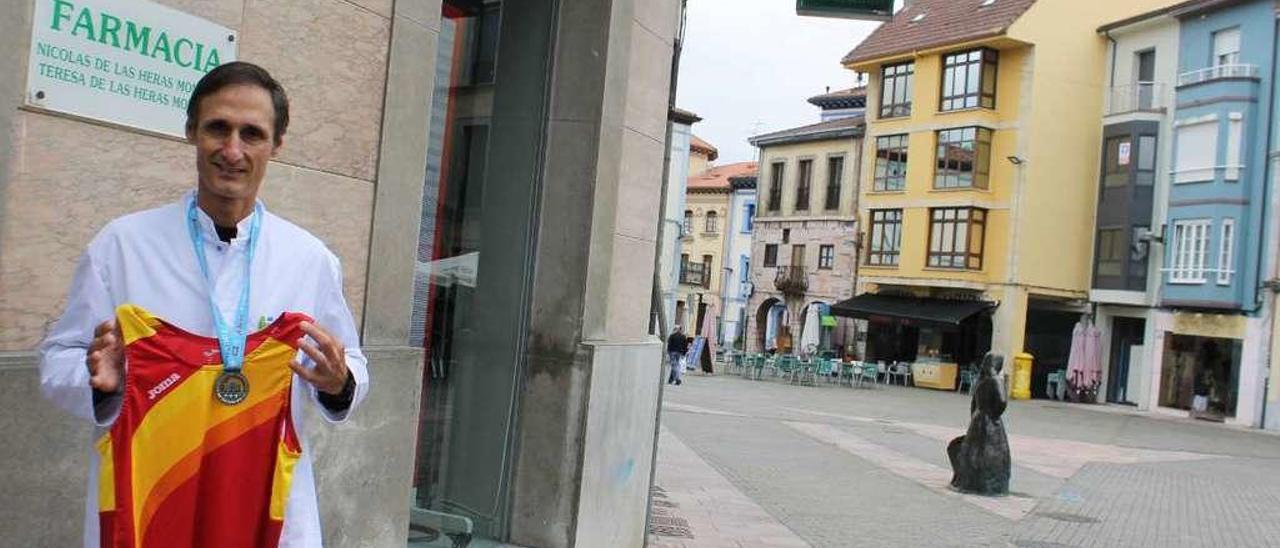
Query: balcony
(1139, 97)
(791, 280)
(1217, 72)
(695, 274)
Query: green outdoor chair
(737, 362)
(785, 366)
(869, 371)
(825, 369)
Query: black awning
(939, 311)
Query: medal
(232, 387)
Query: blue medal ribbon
(231, 344)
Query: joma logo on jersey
(164, 385)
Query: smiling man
(193, 335)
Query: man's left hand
(330, 373)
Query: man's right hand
(106, 358)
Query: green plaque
(869, 10)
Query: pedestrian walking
(677, 347)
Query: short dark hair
(241, 73)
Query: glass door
(474, 255)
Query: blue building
(1214, 334)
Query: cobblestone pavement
(753, 464)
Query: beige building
(804, 246)
(489, 174)
(705, 239)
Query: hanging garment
(180, 468)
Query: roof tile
(945, 22)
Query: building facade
(499, 308)
(978, 180)
(737, 271)
(803, 245)
(1212, 344)
(1133, 185)
(702, 256)
(679, 160)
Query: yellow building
(704, 239)
(979, 176)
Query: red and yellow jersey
(180, 468)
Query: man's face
(234, 141)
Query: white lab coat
(146, 259)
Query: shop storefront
(1201, 375)
(940, 336)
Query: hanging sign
(127, 62)
(868, 10)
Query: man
(136, 340)
(677, 347)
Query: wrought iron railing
(1142, 96)
(791, 280)
(695, 274)
(1217, 72)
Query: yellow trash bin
(1021, 377)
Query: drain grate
(668, 531)
(670, 526)
(1069, 518)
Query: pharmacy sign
(127, 62)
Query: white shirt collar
(207, 228)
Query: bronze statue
(980, 458)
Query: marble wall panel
(640, 186)
(228, 13)
(380, 7)
(648, 84)
(331, 57)
(630, 287)
(68, 179)
(337, 209)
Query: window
(1196, 151)
(802, 185)
(969, 79)
(1116, 160)
(748, 217)
(955, 237)
(687, 228)
(896, 82)
(1235, 132)
(891, 163)
(1146, 155)
(1226, 252)
(1226, 47)
(684, 262)
(706, 270)
(886, 237)
(775, 186)
(713, 222)
(835, 172)
(786, 235)
(1111, 251)
(771, 255)
(964, 158)
(744, 269)
(797, 255)
(1145, 76)
(1190, 246)
(826, 257)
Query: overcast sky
(749, 65)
